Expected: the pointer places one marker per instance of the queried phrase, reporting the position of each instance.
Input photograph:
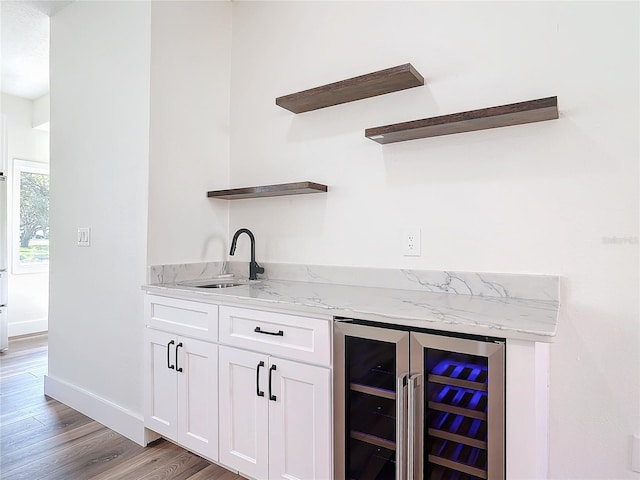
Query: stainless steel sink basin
(216, 283)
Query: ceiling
(24, 54)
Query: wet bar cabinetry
(282, 401)
(275, 392)
(247, 388)
(181, 381)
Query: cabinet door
(244, 415)
(300, 422)
(161, 383)
(197, 372)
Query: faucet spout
(254, 268)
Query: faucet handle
(254, 269)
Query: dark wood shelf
(370, 85)
(493, 117)
(297, 188)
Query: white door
(197, 372)
(300, 424)
(161, 383)
(244, 412)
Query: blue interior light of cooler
(457, 371)
(442, 393)
(446, 364)
(458, 396)
(475, 400)
(456, 454)
(474, 373)
(475, 427)
(440, 368)
(455, 425)
(477, 395)
(441, 448)
(473, 457)
(440, 420)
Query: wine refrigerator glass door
(456, 408)
(370, 391)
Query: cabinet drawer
(280, 334)
(182, 317)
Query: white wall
(539, 198)
(189, 137)
(28, 292)
(99, 173)
(41, 113)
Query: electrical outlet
(411, 242)
(84, 237)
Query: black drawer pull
(172, 367)
(279, 333)
(177, 347)
(259, 392)
(271, 397)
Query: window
(31, 216)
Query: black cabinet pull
(279, 333)
(177, 347)
(271, 397)
(259, 392)
(168, 353)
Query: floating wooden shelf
(297, 188)
(365, 86)
(493, 117)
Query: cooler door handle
(401, 426)
(411, 421)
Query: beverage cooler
(417, 404)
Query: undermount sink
(219, 283)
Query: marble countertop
(496, 316)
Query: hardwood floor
(41, 438)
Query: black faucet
(254, 268)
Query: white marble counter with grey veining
(499, 305)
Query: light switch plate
(84, 236)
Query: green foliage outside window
(34, 217)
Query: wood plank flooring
(41, 438)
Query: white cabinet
(300, 422)
(161, 399)
(181, 386)
(244, 412)
(275, 416)
(260, 402)
(281, 334)
(275, 411)
(182, 317)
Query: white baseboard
(28, 327)
(113, 416)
